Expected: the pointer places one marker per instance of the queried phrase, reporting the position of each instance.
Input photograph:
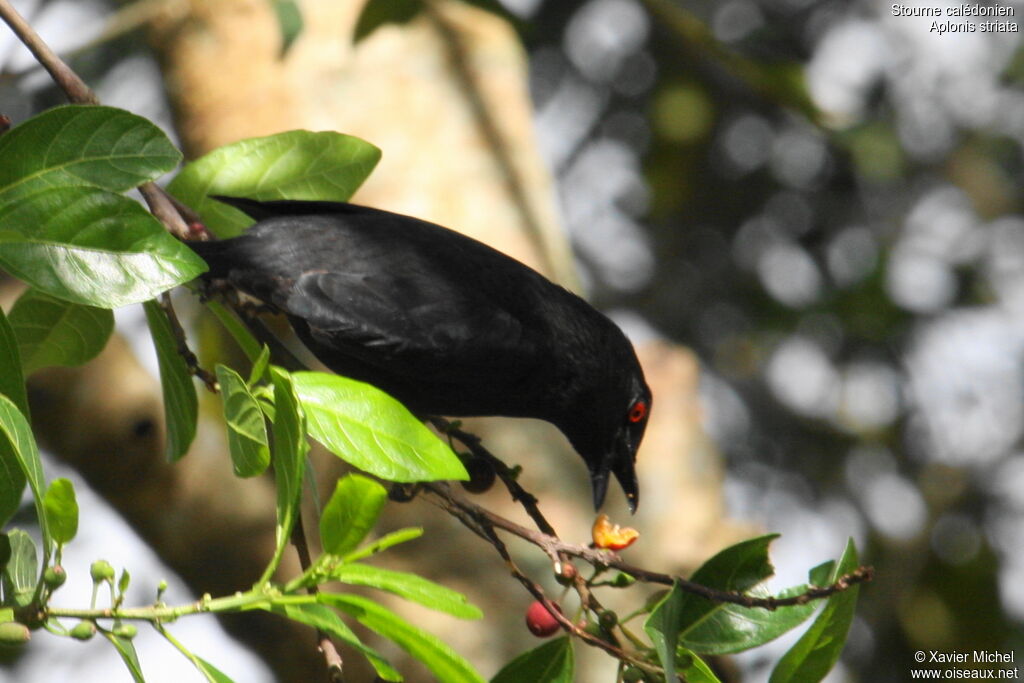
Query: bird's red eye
(637, 411)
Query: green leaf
(377, 13)
(351, 512)
(12, 476)
(442, 661)
(552, 662)
(324, 619)
(409, 586)
(289, 455)
(12, 381)
(693, 668)
(18, 450)
(212, 673)
(664, 625)
(816, 652)
(89, 246)
(733, 628)
(61, 510)
(247, 430)
(259, 366)
(242, 336)
(22, 570)
(298, 164)
(384, 542)
(822, 574)
(55, 332)
(737, 568)
(5, 551)
(123, 582)
(289, 22)
(125, 648)
(372, 431)
(83, 145)
(181, 405)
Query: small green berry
(100, 570)
(55, 576)
(608, 619)
(126, 631)
(14, 633)
(83, 630)
(632, 674)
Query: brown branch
(66, 79)
(161, 205)
(205, 376)
(332, 658)
(606, 559)
(504, 472)
(481, 525)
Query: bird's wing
(396, 318)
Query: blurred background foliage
(823, 200)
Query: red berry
(540, 621)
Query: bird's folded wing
(401, 317)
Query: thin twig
(66, 79)
(603, 558)
(332, 658)
(482, 527)
(165, 210)
(504, 472)
(205, 376)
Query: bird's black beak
(620, 462)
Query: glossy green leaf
(89, 246)
(372, 431)
(552, 662)
(126, 649)
(442, 661)
(819, 648)
(83, 145)
(247, 430)
(22, 570)
(733, 628)
(408, 586)
(737, 568)
(693, 668)
(18, 450)
(61, 510)
(259, 366)
(181, 405)
(289, 22)
(212, 673)
(298, 164)
(377, 13)
(663, 626)
(325, 619)
(350, 513)
(55, 332)
(12, 380)
(822, 574)
(242, 336)
(289, 457)
(384, 542)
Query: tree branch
(609, 560)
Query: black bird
(445, 324)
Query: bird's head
(610, 436)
